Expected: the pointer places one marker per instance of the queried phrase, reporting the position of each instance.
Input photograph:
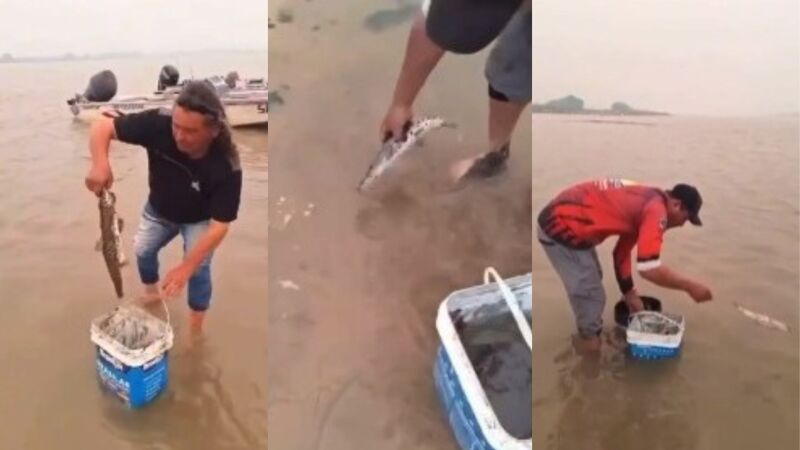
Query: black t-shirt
(183, 190)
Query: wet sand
(735, 386)
(355, 283)
(53, 283)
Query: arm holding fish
(100, 136)
(649, 262)
(421, 57)
(134, 129)
(225, 201)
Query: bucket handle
(511, 302)
(166, 310)
(163, 303)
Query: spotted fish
(393, 148)
(111, 238)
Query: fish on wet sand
(110, 242)
(393, 148)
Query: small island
(575, 105)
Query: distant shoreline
(572, 105)
(8, 58)
(598, 112)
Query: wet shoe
(485, 165)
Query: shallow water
(736, 383)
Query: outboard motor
(168, 77)
(102, 87)
(231, 79)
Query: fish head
(379, 164)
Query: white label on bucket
(112, 381)
(152, 363)
(114, 361)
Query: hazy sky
(52, 27)
(726, 57)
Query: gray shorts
(582, 276)
(508, 68)
(468, 26)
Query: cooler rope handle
(511, 302)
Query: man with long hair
(195, 185)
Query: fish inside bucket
(132, 327)
(502, 361)
(663, 324)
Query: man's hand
(100, 136)
(395, 123)
(176, 280)
(634, 302)
(699, 292)
(99, 177)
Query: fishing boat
(245, 100)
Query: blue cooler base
(459, 414)
(653, 352)
(136, 386)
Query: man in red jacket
(584, 215)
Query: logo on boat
(129, 106)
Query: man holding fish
(195, 181)
(584, 215)
(464, 27)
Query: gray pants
(583, 279)
(467, 27)
(508, 67)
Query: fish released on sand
(110, 242)
(763, 319)
(393, 148)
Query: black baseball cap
(690, 197)
(467, 26)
